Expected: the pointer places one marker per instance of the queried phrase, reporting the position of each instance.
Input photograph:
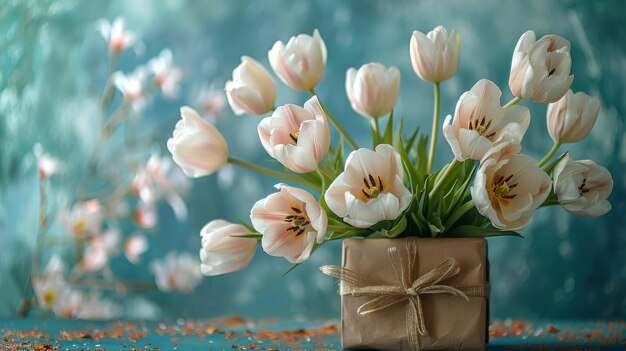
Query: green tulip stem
(458, 213)
(434, 131)
(336, 123)
(443, 177)
(280, 175)
(551, 153)
(513, 101)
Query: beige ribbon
(408, 288)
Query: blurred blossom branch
(130, 192)
(109, 88)
(39, 242)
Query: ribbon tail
(414, 323)
(348, 277)
(379, 303)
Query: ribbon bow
(407, 288)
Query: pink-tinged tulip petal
(373, 89)
(508, 187)
(300, 63)
(252, 89)
(435, 56)
(222, 251)
(480, 123)
(540, 69)
(196, 145)
(571, 118)
(583, 187)
(134, 247)
(297, 137)
(370, 189)
(291, 222)
(177, 272)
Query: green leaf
(349, 234)
(398, 228)
(254, 235)
(388, 136)
(408, 167)
(422, 154)
(550, 167)
(470, 231)
(291, 268)
(411, 140)
(248, 226)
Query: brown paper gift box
(452, 322)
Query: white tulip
(571, 118)
(370, 189)
(297, 137)
(435, 56)
(508, 188)
(196, 145)
(222, 252)
(300, 63)
(373, 89)
(480, 123)
(583, 187)
(291, 221)
(252, 89)
(540, 69)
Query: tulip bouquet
(390, 189)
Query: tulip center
(581, 188)
(298, 220)
(502, 188)
(294, 136)
(481, 127)
(373, 188)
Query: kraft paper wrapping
(452, 322)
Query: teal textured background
(53, 64)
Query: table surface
(231, 333)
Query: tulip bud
(435, 56)
(583, 187)
(373, 89)
(222, 252)
(571, 118)
(540, 69)
(300, 63)
(196, 145)
(252, 89)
